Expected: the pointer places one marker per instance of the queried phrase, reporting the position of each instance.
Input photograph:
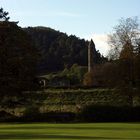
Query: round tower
(91, 49)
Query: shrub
(110, 114)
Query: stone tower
(91, 49)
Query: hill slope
(58, 50)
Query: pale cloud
(101, 42)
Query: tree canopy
(125, 52)
(18, 59)
(3, 15)
(126, 35)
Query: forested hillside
(58, 50)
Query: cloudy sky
(83, 18)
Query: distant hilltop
(58, 50)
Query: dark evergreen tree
(18, 59)
(4, 15)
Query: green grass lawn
(94, 131)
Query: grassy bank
(70, 105)
(96, 131)
(71, 100)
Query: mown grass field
(94, 131)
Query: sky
(84, 18)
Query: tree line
(28, 52)
(122, 70)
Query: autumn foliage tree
(88, 79)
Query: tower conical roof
(91, 44)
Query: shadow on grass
(48, 136)
(35, 128)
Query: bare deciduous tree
(126, 34)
